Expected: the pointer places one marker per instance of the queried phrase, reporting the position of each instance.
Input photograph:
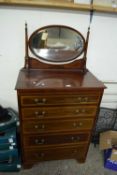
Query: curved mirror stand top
(57, 44)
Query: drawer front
(48, 140)
(34, 155)
(38, 100)
(57, 125)
(58, 112)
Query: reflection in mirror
(57, 44)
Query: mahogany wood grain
(37, 113)
(48, 140)
(57, 80)
(56, 105)
(35, 155)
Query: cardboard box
(108, 143)
(108, 139)
(113, 155)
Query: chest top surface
(56, 79)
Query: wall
(102, 51)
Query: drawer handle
(83, 99)
(80, 124)
(38, 155)
(83, 110)
(75, 138)
(36, 126)
(75, 151)
(42, 155)
(86, 99)
(79, 99)
(77, 111)
(39, 127)
(38, 114)
(37, 141)
(42, 126)
(38, 101)
(77, 125)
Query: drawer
(57, 125)
(55, 153)
(39, 100)
(58, 112)
(54, 139)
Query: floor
(93, 166)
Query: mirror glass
(56, 44)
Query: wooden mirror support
(62, 62)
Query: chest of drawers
(56, 120)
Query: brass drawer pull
(83, 110)
(36, 126)
(42, 126)
(76, 125)
(78, 138)
(37, 141)
(86, 99)
(75, 138)
(38, 101)
(79, 99)
(38, 114)
(80, 111)
(38, 155)
(77, 111)
(72, 138)
(80, 124)
(39, 127)
(82, 99)
(42, 155)
(75, 151)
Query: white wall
(102, 52)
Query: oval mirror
(56, 44)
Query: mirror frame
(73, 58)
(33, 63)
